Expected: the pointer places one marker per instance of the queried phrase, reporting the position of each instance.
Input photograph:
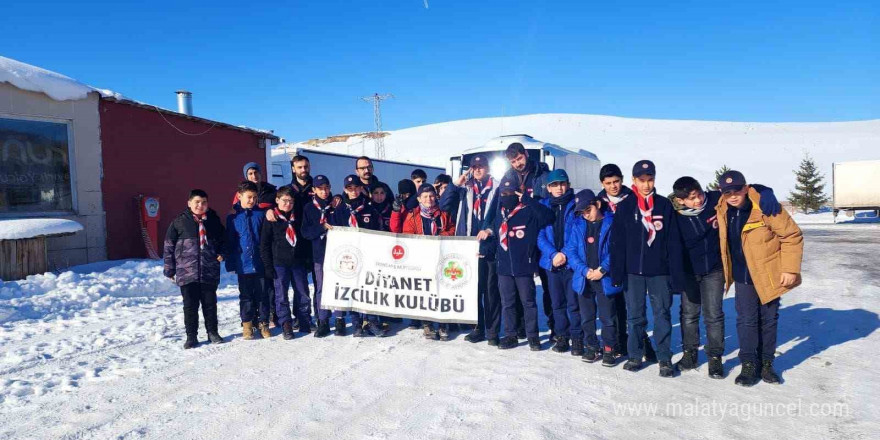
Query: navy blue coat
(243, 241)
(630, 253)
(535, 180)
(699, 234)
(367, 218)
(314, 231)
(576, 252)
(521, 257)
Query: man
(704, 279)
(471, 197)
(761, 256)
(530, 176)
(646, 259)
(364, 169)
(265, 190)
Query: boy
(354, 210)
(704, 279)
(441, 183)
(646, 260)
(382, 203)
(588, 249)
(193, 251)
(314, 228)
(516, 227)
(243, 229)
(278, 242)
(418, 177)
(761, 255)
(428, 219)
(551, 241)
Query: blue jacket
(576, 252)
(630, 253)
(521, 257)
(243, 241)
(546, 238)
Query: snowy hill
(765, 152)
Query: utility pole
(376, 99)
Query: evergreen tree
(713, 185)
(809, 190)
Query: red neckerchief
(478, 197)
(502, 230)
(352, 219)
(203, 234)
(646, 206)
(290, 233)
(323, 210)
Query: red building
(164, 154)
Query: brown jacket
(772, 245)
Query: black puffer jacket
(184, 260)
(275, 250)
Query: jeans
(253, 298)
(703, 293)
(318, 278)
(657, 288)
(755, 324)
(593, 302)
(567, 317)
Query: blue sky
(299, 68)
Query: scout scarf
(290, 233)
(502, 230)
(203, 234)
(646, 206)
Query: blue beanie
(250, 165)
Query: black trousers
(193, 295)
(489, 300)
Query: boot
(414, 324)
(287, 330)
(592, 354)
(339, 327)
(323, 328)
(508, 342)
(305, 325)
(443, 332)
(650, 354)
(264, 330)
(534, 343)
(609, 357)
(247, 330)
(561, 345)
(632, 365)
(191, 342)
(577, 347)
(767, 373)
(429, 332)
(475, 336)
(215, 337)
(667, 369)
(748, 374)
(358, 331)
(376, 330)
(493, 342)
(688, 360)
(716, 369)
(521, 333)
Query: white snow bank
(17, 229)
(55, 85)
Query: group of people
(597, 255)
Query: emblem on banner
(398, 252)
(347, 262)
(453, 271)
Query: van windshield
(498, 164)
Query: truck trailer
(854, 186)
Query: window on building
(34, 167)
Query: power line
(379, 139)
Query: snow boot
(508, 342)
(376, 330)
(521, 333)
(688, 360)
(577, 347)
(305, 325)
(264, 330)
(768, 374)
(748, 374)
(609, 357)
(475, 336)
(716, 369)
(443, 332)
(592, 354)
(561, 345)
(323, 328)
(534, 343)
(191, 342)
(667, 369)
(493, 342)
(650, 354)
(339, 326)
(215, 337)
(633, 365)
(429, 332)
(287, 330)
(247, 330)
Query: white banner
(404, 276)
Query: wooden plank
(20, 258)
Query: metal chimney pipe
(184, 102)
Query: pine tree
(713, 185)
(809, 190)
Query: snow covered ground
(96, 352)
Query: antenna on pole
(379, 140)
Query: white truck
(337, 166)
(854, 187)
(582, 166)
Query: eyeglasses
(368, 167)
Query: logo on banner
(454, 271)
(347, 262)
(398, 252)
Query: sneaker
(305, 326)
(688, 360)
(609, 357)
(716, 369)
(323, 328)
(577, 347)
(650, 354)
(534, 343)
(339, 327)
(592, 354)
(247, 330)
(215, 337)
(287, 331)
(667, 369)
(358, 331)
(561, 345)
(191, 342)
(493, 342)
(475, 336)
(429, 332)
(443, 332)
(748, 375)
(632, 365)
(768, 374)
(264, 330)
(508, 342)
(376, 330)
